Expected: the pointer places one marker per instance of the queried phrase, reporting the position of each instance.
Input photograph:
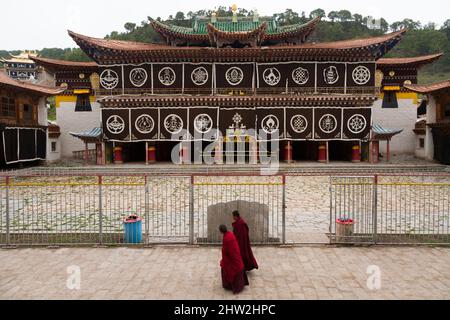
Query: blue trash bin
(133, 229)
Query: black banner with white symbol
(356, 123)
(327, 123)
(203, 123)
(168, 78)
(299, 123)
(116, 124)
(144, 124)
(270, 123)
(330, 75)
(234, 75)
(173, 124)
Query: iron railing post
(375, 208)
(147, 226)
(100, 210)
(284, 209)
(191, 211)
(7, 182)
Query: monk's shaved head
(223, 228)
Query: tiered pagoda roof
(8, 83)
(108, 52)
(225, 31)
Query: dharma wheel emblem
(361, 75)
(234, 76)
(300, 76)
(270, 124)
(115, 124)
(109, 79)
(330, 75)
(271, 76)
(144, 124)
(199, 76)
(299, 123)
(357, 123)
(173, 123)
(138, 77)
(328, 123)
(167, 76)
(203, 123)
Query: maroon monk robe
(241, 231)
(233, 273)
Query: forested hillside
(335, 25)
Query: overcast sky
(35, 24)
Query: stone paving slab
(314, 272)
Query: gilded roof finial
(234, 9)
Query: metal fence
(390, 209)
(87, 210)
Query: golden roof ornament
(234, 9)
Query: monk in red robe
(241, 231)
(233, 272)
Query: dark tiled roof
(63, 64)
(7, 82)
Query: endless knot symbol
(167, 76)
(115, 124)
(173, 123)
(270, 124)
(138, 77)
(109, 79)
(300, 76)
(234, 76)
(271, 76)
(299, 123)
(199, 76)
(361, 75)
(328, 123)
(203, 123)
(330, 75)
(145, 124)
(356, 124)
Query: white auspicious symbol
(237, 119)
(115, 124)
(173, 123)
(145, 124)
(361, 75)
(357, 123)
(328, 123)
(234, 76)
(109, 79)
(199, 76)
(330, 75)
(203, 123)
(299, 123)
(167, 76)
(300, 76)
(271, 76)
(138, 77)
(270, 124)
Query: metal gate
(390, 209)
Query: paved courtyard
(315, 272)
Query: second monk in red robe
(241, 232)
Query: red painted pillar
(118, 155)
(356, 153)
(151, 154)
(288, 152)
(375, 151)
(86, 153)
(388, 150)
(322, 152)
(99, 153)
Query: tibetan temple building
(21, 67)
(232, 80)
(23, 120)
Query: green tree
(318, 13)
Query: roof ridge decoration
(200, 33)
(108, 52)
